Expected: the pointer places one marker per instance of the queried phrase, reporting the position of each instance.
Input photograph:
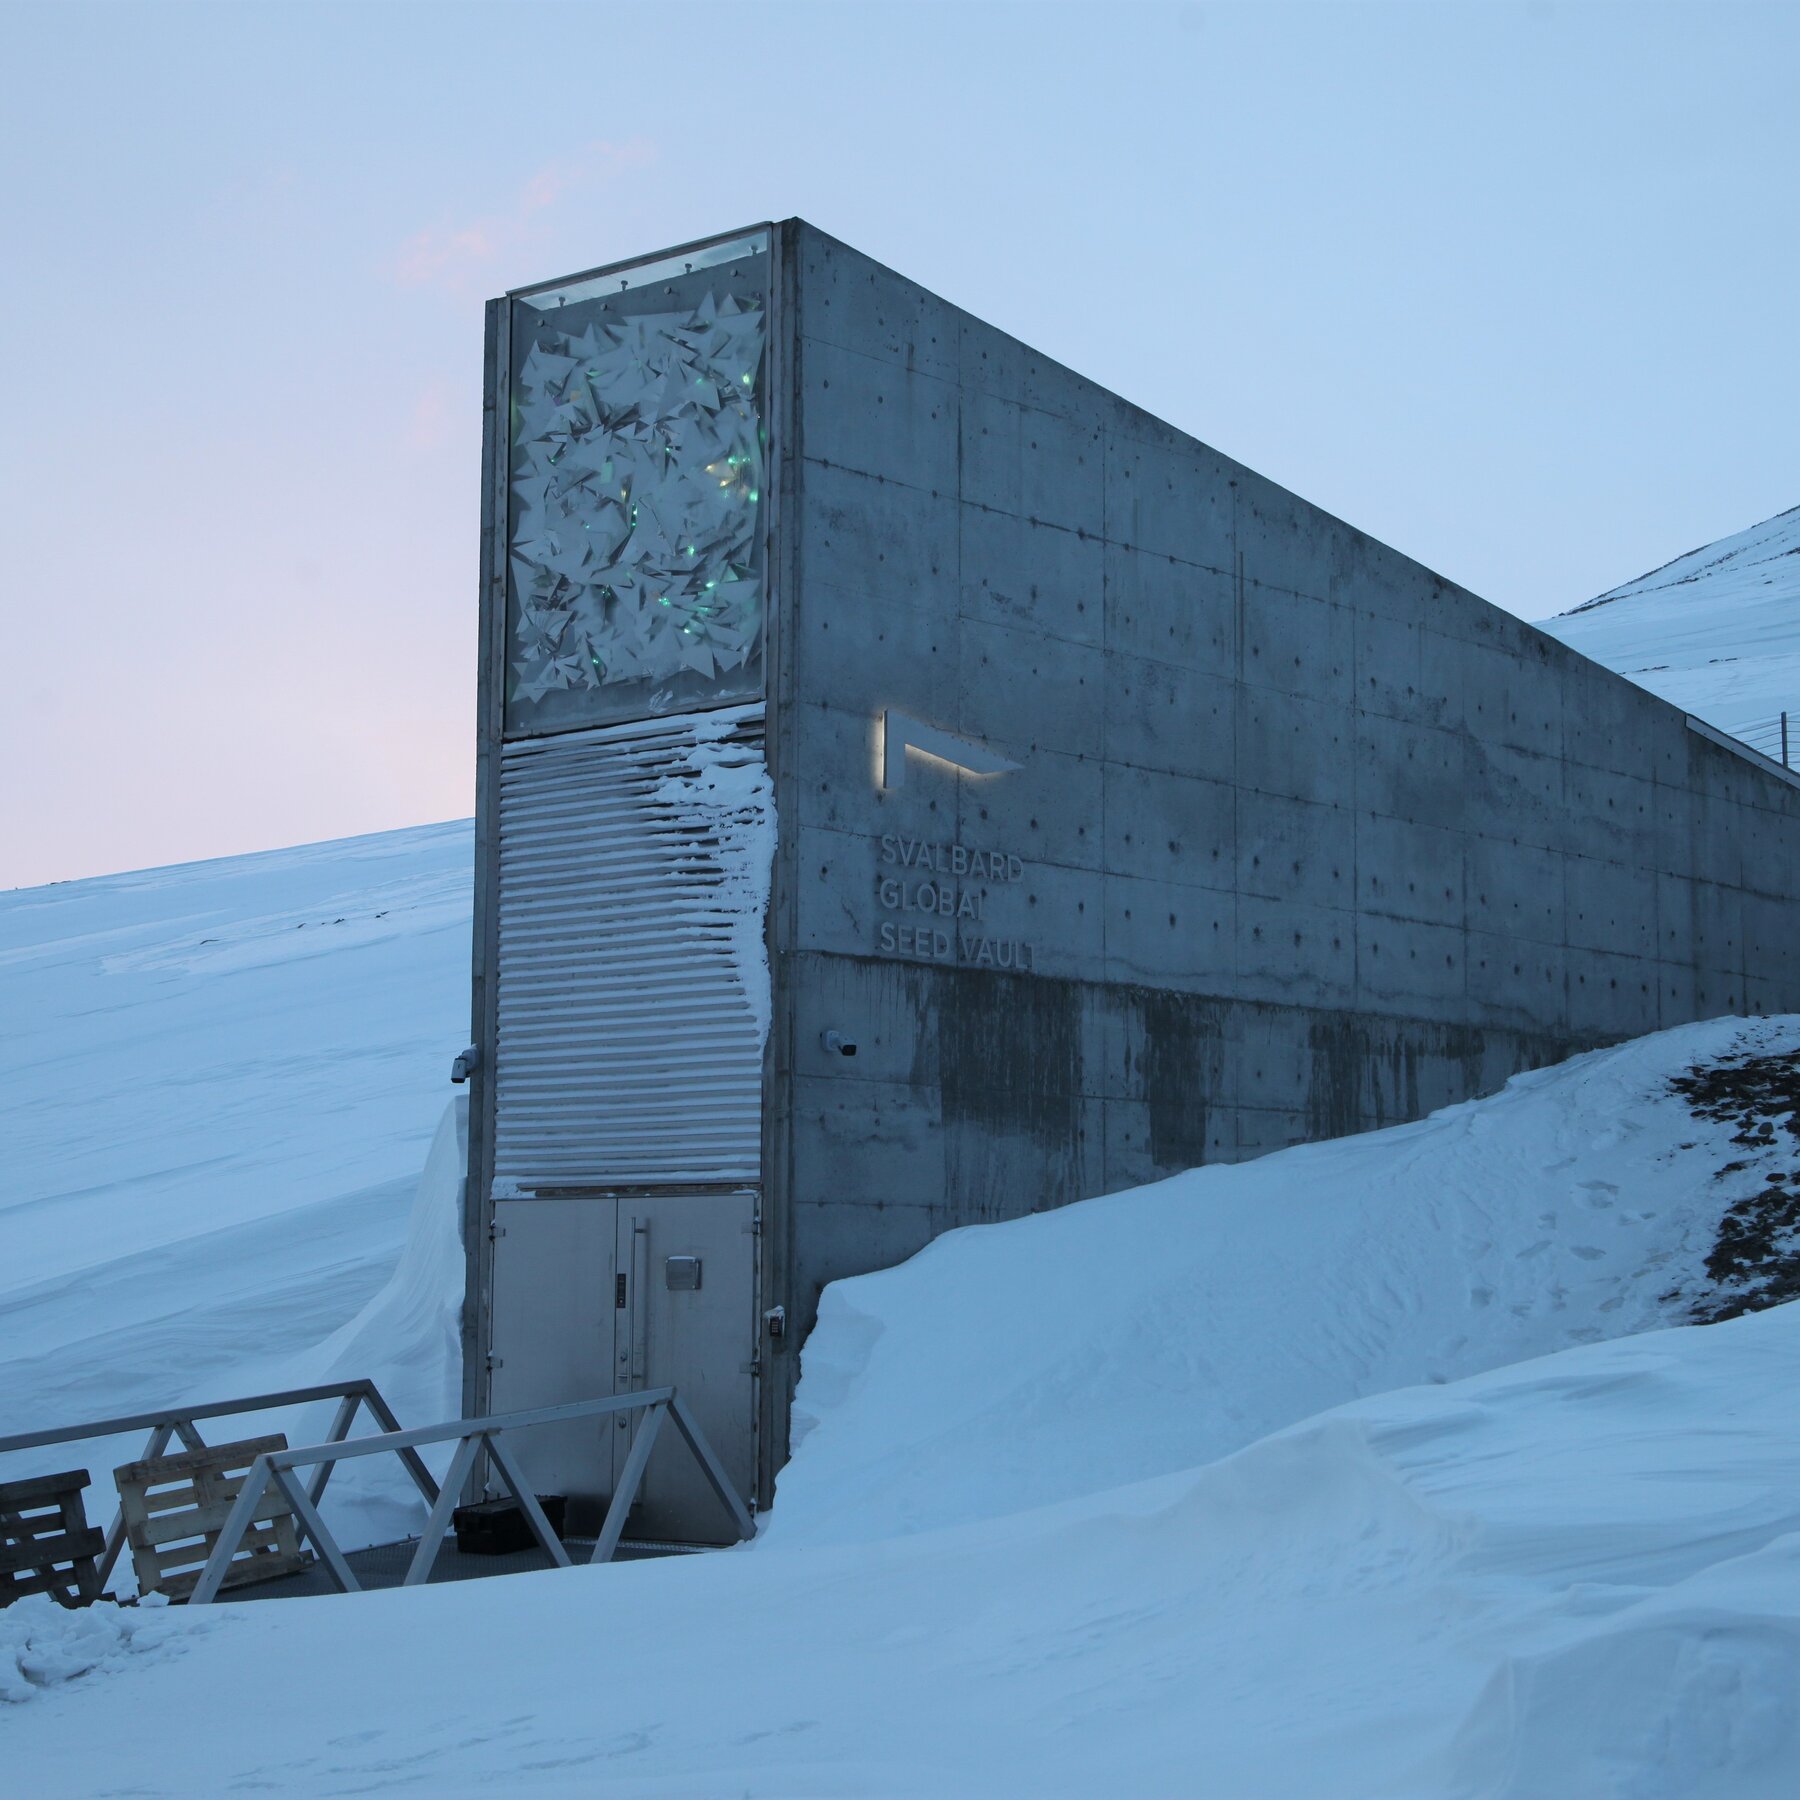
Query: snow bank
(1572, 1578)
(1010, 1365)
(412, 1330)
(43, 1644)
(407, 1338)
(1689, 1692)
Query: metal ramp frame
(182, 1422)
(473, 1438)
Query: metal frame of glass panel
(635, 448)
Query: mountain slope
(218, 1084)
(1716, 632)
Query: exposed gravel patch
(1755, 1259)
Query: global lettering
(951, 859)
(930, 897)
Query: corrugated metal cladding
(629, 1045)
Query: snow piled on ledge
(725, 801)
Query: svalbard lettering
(951, 859)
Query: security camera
(837, 1044)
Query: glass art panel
(637, 459)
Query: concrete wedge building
(918, 787)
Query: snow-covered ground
(1164, 1327)
(1143, 1496)
(1570, 1579)
(1717, 632)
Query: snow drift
(1008, 1365)
(1573, 1577)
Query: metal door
(555, 1308)
(601, 1296)
(689, 1322)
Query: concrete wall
(1311, 840)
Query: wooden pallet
(175, 1506)
(47, 1545)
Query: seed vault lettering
(934, 944)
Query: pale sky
(1513, 287)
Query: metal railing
(180, 1421)
(473, 1438)
(1776, 737)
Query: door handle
(640, 1301)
